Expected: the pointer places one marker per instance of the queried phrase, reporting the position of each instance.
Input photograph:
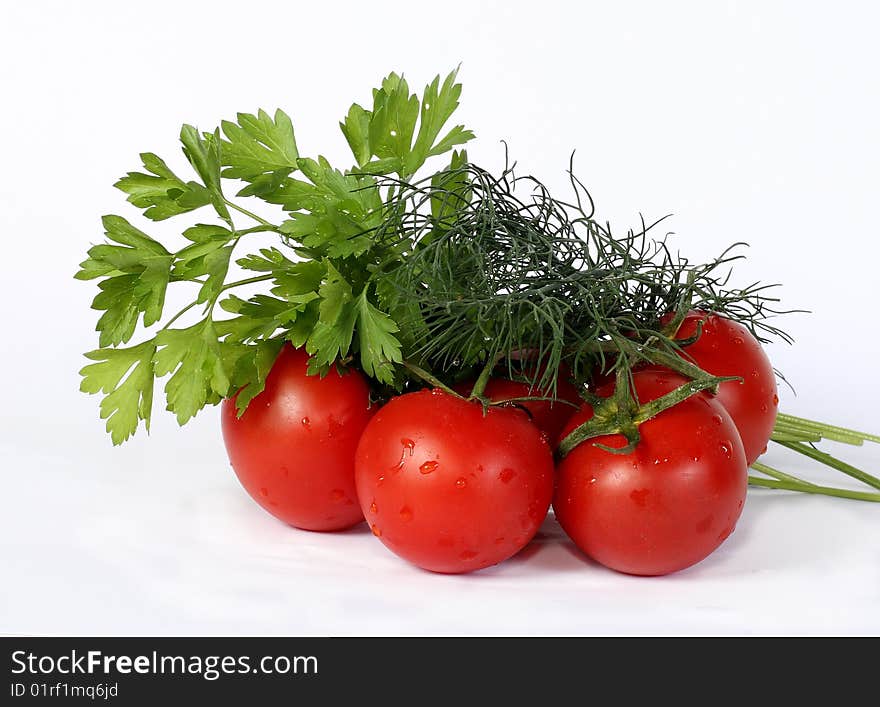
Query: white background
(748, 121)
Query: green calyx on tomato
(664, 504)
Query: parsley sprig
(320, 294)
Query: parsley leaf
(395, 112)
(386, 132)
(356, 128)
(203, 153)
(379, 349)
(195, 358)
(208, 255)
(249, 364)
(128, 401)
(161, 192)
(438, 104)
(342, 209)
(137, 273)
(331, 338)
(257, 145)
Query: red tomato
(667, 504)
(548, 416)
(727, 348)
(449, 488)
(293, 449)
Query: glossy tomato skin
(727, 348)
(664, 506)
(293, 449)
(448, 488)
(548, 416)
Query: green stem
(613, 417)
(250, 214)
(671, 329)
(429, 378)
(246, 281)
(809, 488)
(483, 378)
(683, 392)
(228, 286)
(795, 437)
(776, 474)
(680, 365)
(535, 398)
(258, 229)
(179, 315)
(785, 427)
(834, 463)
(792, 422)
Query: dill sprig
(497, 270)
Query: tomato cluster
(454, 486)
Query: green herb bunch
(319, 290)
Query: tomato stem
(483, 378)
(429, 378)
(613, 416)
(535, 398)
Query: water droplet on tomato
(717, 419)
(264, 491)
(506, 475)
(593, 480)
(460, 482)
(337, 495)
(306, 422)
(406, 513)
(375, 530)
(755, 374)
(696, 457)
(428, 467)
(468, 554)
(737, 340)
(764, 407)
(775, 399)
(436, 391)
(380, 479)
(374, 508)
(408, 445)
(726, 446)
